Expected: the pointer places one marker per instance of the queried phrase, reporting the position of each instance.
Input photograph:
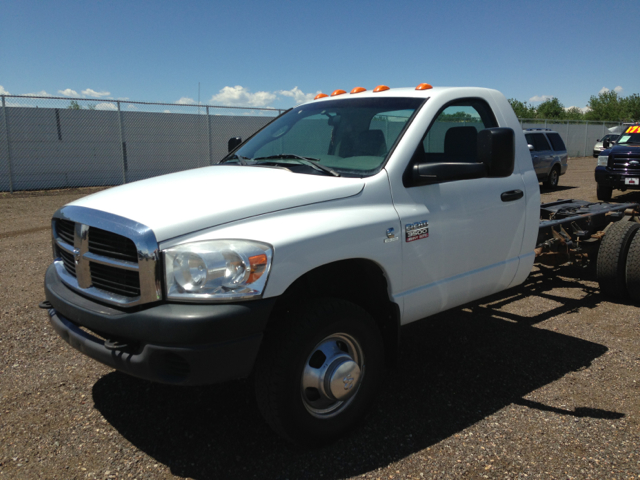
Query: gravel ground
(541, 381)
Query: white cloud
(41, 93)
(92, 93)
(167, 111)
(131, 107)
(3, 91)
(67, 92)
(582, 109)
(106, 106)
(239, 96)
(541, 98)
(186, 101)
(618, 89)
(298, 95)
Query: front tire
(319, 370)
(604, 193)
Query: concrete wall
(57, 148)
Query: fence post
(209, 137)
(6, 137)
(567, 142)
(123, 145)
(586, 134)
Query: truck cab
(299, 256)
(619, 164)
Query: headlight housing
(217, 270)
(603, 160)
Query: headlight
(603, 160)
(217, 270)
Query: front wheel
(604, 193)
(319, 370)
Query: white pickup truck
(299, 257)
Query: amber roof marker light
(320, 95)
(424, 86)
(380, 88)
(358, 90)
(337, 92)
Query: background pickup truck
(299, 257)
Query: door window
(452, 137)
(539, 142)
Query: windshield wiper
(240, 158)
(312, 162)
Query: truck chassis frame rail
(580, 232)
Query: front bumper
(186, 344)
(617, 180)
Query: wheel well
(358, 281)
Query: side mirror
(530, 147)
(233, 143)
(496, 149)
(606, 144)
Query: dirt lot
(541, 381)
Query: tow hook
(111, 344)
(46, 305)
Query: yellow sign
(634, 129)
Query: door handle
(512, 195)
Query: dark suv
(619, 164)
(548, 153)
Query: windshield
(351, 137)
(630, 136)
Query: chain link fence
(579, 136)
(54, 142)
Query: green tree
(74, 105)
(630, 107)
(573, 113)
(522, 109)
(605, 107)
(551, 108)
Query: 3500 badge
(416, 231)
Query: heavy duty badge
(417, 231)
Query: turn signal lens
(381, 88)
(424, 86)
(320, 95)
(358, 90)
(337, 92)
(258, 265)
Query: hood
(184, 202)
(629, 150)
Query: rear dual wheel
(618, 264)
(319, 370)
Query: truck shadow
(558, 189)
(630, 196)
(455, 369)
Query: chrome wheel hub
(332, 375)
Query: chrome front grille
(112, 245)
(106, 257)
(624, 164)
